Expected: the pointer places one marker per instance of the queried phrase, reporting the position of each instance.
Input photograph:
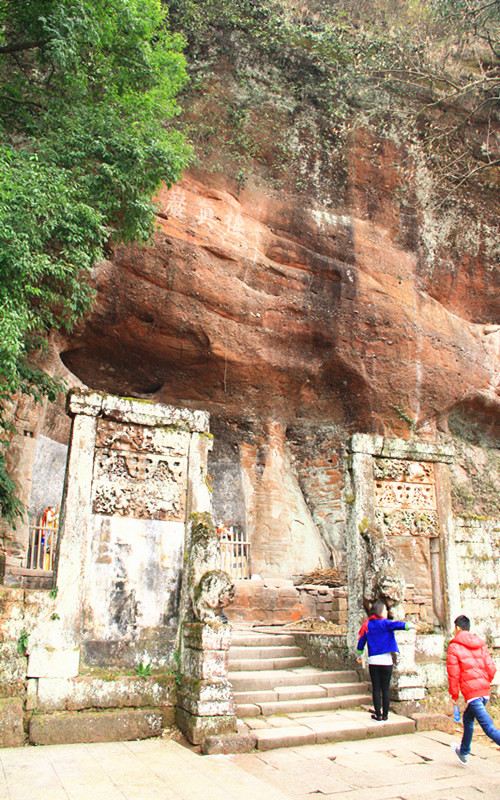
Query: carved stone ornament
(214, 591)
(139, 472)
(405, 497)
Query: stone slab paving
(153, 769)
(417, 766)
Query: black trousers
(380, 675)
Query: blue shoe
(456, 750)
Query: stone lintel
(141, 412)
(401, 448)
(196, 729)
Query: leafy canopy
(86, 88)
(293, 78)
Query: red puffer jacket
(470, 667)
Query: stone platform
(302, 728)
(419, 766)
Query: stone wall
(21, 610)
(276, 602)
(48, 475)
(478, 554)
(283, 489)
(135, 473)
(226, 480)
(318, 456)
(401, 491)
(122, 538)
(327, 651)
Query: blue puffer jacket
(379, 633)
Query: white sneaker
(456, 749)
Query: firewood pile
(315, 625)
(328, 576)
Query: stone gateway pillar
(136, 471)
(401, 542)
(205, 706)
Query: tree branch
(19, 46)
(18, 102)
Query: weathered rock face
(254, 305)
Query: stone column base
(196, 729)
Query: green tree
(87, 88)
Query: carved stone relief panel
(139, 471)
(405, 497)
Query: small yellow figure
(49, 523)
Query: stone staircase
(284, 701)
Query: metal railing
(234, 553)
(43, 541)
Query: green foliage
(289, 81)
(176, 667)
(402, 414)
(87, 86)
(143, 670)
(22, 642)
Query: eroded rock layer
(254, 305)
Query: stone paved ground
(410, 767)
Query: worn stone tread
(249, 664)
(241, 639)
(247, 680)
(280, 651)
(320, 728)
(313, 704)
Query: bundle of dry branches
(314, 625)
(327, 576)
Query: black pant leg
(374, 670)
(385, 680)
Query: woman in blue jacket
(378, 632)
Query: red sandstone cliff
(256, 304)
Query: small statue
(214, 591)
(382, 580)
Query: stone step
(70, 727)
(246, 681)
(244, 639)
(275, 651)
(255, 697)
(257, 664)
(336, 689)
(303, 706)
(332, 727)
(301, 692)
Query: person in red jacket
(470, 671)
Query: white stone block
(406, 680)
(432, 674)
(31, 693)
(48, 663)
(429, 645)
(412, 693)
